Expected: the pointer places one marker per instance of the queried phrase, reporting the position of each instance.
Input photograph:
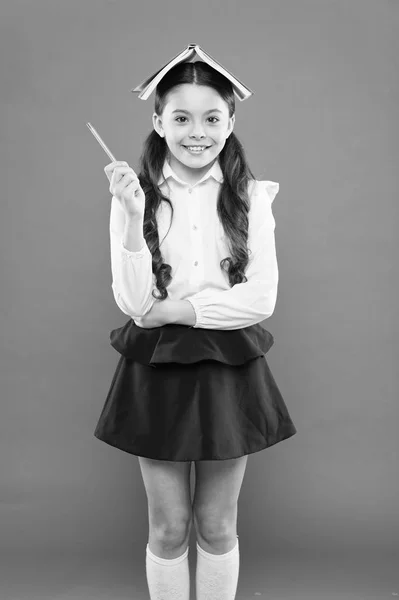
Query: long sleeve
(132, 277)
(252, 301)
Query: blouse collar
(215, 171)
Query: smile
(196, 149)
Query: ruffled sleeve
(272, 188)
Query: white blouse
(194, 247)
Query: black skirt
(184, 394)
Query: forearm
(133, 237)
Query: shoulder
(261, 195)
(263, 189)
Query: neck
(190, 176)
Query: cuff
(196, 310)
(129, 254)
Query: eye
(177, 119)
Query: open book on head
(192, 53)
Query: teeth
(196, 148)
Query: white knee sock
(168, 579)
(217, 574)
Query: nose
(198, 131)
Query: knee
(172, 533)
(214, 527)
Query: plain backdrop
(323, 122)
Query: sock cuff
(168, 562)
(218, 557)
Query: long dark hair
(233, 200)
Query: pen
(100, 141)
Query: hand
(125, 186)
(163, 312)
(158, 315)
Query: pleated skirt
(185, 394)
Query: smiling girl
(194, 267)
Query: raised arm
(131, 264)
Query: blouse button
(190, 190)
(194, 227)
(196, 263)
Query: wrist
(133, 237)
(190, 314)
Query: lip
(195, 146)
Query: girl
(194, 267)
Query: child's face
(201, 125)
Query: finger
(131, 178)
(132, 188)
(130, 182)
(115, 163)
(118, 175)
(126, 183)
(115, 166)
(121, 171)
(114, 186)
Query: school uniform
(204, 392)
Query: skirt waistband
(186, 345)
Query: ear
(232, 121)
(157, 123)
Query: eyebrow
(188, 112)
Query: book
(192, 53)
